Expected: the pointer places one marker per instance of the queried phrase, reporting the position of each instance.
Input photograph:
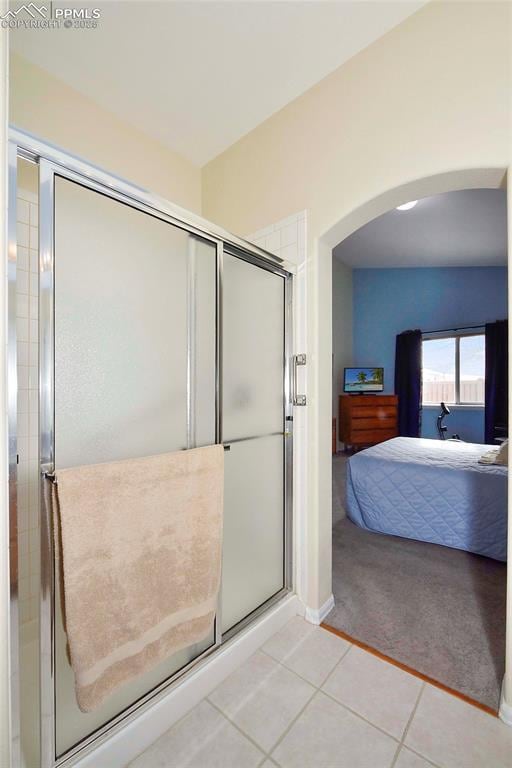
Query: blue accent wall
(388, 301)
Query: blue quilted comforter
(430, 490)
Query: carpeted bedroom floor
(440, 611)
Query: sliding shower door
(158, 334)
(135, 360)
(253, 426)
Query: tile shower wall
(286, 238)
(27, 308)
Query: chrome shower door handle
(297, 399)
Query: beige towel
(140, 544)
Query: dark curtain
(408, 382)
(496, 380)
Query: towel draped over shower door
(139, 544)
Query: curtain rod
(461, 328)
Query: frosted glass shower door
(253, 427)
(135, 363)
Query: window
(453, 369)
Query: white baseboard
(134, 737)
(505, 712)
(317, 615)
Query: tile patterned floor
(309, 699)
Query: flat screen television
(363, 380)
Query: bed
(430, 490)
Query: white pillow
(489, 457)
(502, 457)
(496, 455)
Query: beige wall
(429, 98)
(51, 110)
(341, 330)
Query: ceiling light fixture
(406, 206)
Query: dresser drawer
(367, 419)
(369, 400)
(373, 422)
(374, 411)
(371, 436)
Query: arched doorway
(346, 225)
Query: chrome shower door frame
(12, 442)
(48, 172)
(287, 432)
(54, 163)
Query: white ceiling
(455, 229)
(199, 75)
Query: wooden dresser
(367, 419)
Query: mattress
(430, 490)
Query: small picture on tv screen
(364, 380)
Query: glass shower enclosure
(158, 332)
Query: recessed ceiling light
(407, 206)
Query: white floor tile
(327, 735)
(288, 639)
(457, 735)
(407, 759)
(203, 739)
(262, 698)
(311, 652)
(375, 689)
